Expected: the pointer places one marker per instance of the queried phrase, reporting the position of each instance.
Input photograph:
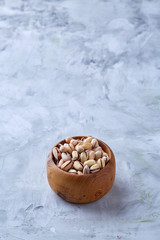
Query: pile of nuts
(80, 156)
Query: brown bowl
(81, 188)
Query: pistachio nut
(66, 156)
(94, 142)
(99, 162)
(83, 157)
(89, 162)
(97, 149)
(79, 148)
(91, 155)
(63, 149)
(74, 155)
(80, 173)
(98, 155)
(88, 139)
(56, 153)
(72, 171)
(66, 145)
(94, 168)
(74, 142)
(86, 170)
(87, 145)
(94, 171)
(68, 139)
(67, 165)
(77, 165)
(71, 146)
(60, 163)
(106, 155)
(103, 162)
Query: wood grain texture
(81, 188)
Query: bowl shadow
(110, 204)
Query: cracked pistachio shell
(94, 142)
(66, 156)
(86, 170)
(77, 165)
(74, 142)
(66, 145)
(67, 165)
(79, 148)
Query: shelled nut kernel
(80, 156)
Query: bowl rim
(50, 159)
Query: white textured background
(79, 68)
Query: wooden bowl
(84, 188)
